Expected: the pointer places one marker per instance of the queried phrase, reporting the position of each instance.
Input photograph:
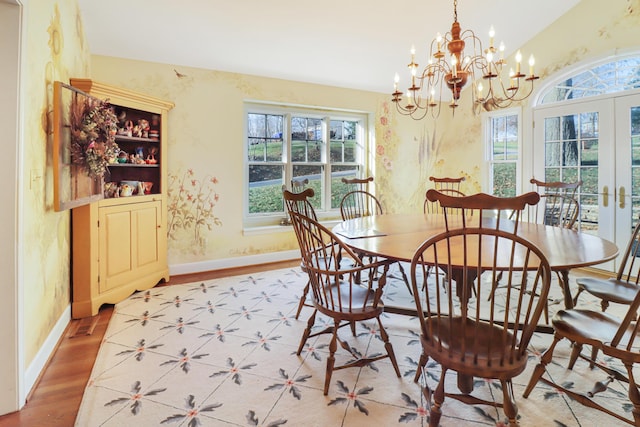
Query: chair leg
(388, 347)
(576, 349)
(331, 360)
(634, 394)
(307, 332)
(303, 298)
(438, 399)
(509, 402)
(421, 364)
(540, 367)
(404, 277)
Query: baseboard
(218, 264)
(47, 349)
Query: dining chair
(358, 183)
(300, 203)
(298, 185)
(361, 203)
(558, 204)
(615, 338)
(467, 332)
(620, 290)
(338, 293)
(446, 183)
(435, 207)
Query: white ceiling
(346, 43)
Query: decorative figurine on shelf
(126, 190)
(122, 125)
(110, 190)
(140, 152)
(141, 188)
(122, 157)
(137, 131)
(128, 126)
(147, 187)
(144, 128)
(151, 157)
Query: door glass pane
(552, 129)
(552, 154)
(589, 214)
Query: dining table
(396, 236)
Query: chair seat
(594, 328)
(471, 348)
(353, 304)
(618, 291)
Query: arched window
(610, 77)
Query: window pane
(343, 141)
(264, 137)
(265, 188)
(314, 174)
(339, 188)
(589, 152)
(306, 137)
(504, 179)
(504, 149)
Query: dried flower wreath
(93, 134)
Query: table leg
(563, 276)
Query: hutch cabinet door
(129, 238)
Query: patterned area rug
(222, 353)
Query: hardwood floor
(55, 399)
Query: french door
(598, 142)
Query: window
(503, 147)
(315, 148)
(610, 77)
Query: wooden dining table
(397, 236)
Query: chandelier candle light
(427, 88)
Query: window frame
(487, 128)
(326, 115)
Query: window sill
(272, 229)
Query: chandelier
(448, 73)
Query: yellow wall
(54, 50)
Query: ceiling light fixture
(442, 75)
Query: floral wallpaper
(191, 209)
